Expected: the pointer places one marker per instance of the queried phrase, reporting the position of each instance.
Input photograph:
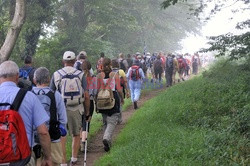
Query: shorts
(74, 122)
(56, 154)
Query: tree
(235, 46)
(14, 30)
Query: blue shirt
(31, 110)
(61, 110)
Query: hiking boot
(106, 144)
(135, 105)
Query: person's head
(42, 76)
(9, 71)
(136, 62)
(82, 55)
(115, 63)
(129, 56)
(102, 55)
(173, 56)
(106, 65)
(28, 60)
(121, 55)
(137, 53)
(139, 57)
(159, 56)
(86, 65)
(69, 58)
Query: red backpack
(134, 73)
(14, 145)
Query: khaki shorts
(74, 122)
(56, 154)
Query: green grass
(204, 121)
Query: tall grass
(204, 121)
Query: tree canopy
(235, 46)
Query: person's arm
(123, 75)
(61, 109)
(141, 74)
(86, 102)
(119, 88)
(52, 84)
(45, 143)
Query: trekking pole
(85, 148)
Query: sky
(222, 23)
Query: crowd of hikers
(37, 111)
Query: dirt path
(95, 145)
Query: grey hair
(42, 76)
(8, 69)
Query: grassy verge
(204, 121)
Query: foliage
(235, 46)
(204, 121)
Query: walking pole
(85, 148)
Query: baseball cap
(69, 55)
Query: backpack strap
(18, 99)
(53, 110)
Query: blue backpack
(24, 79)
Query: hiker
(26, 74)
(81, 57)
(142, 64)
(52, 101)
(76, 98)
(176, 68)
(129, 60)
(99, 66)
(158, 68)
(123, 83)
(195, 64)
(182, 67)
(123, 64)
(32, 114)
(92, 89)
(109, 99)
(169, 70)
(152, 59)
(135, 76)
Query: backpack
(170, 63)
(49, 103)
(14, 144)
(158, 65)
(134, 73)
(24, 79)
(122, 66)
(70, 87)
(181, 63)
(105, 97)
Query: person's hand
(122, 102)
(127, 94)
(88, 118)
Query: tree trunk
(13, 31)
